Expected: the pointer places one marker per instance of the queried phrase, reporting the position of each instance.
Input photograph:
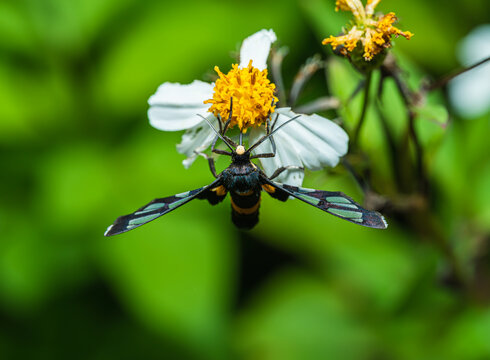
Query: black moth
(245, 182)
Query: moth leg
(222, 131)
(211, 163)
(229, 117)
(280, 170)
(221, 152)
(274, 123)
(213, 145)
(230, 141)
(216, 151)
(212, 166)
(227, 123)
(219, 124)
(268, 130)
(266, 155)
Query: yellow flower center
(252, 93)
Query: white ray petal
(197, 139)
(310, 141)
(370, 6)
(256, 48)
(318, 141)
(285, 156)
(174, 106)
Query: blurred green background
(76, 151)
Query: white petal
(318, 141)
(197, 139)
(256, 48)
(285, 156)
(174, 119)
(175, 106)
(175, 94)
(310, 141)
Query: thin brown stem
(304, 74)
(379, 102)
(365, 103)
(356, 91)
(277, 57)
(445, 79)
(363, 184)
(407, 96)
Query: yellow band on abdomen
(246, 211)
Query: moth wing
(162, 206)
(333, 202)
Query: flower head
(368, 33)
(252, 94)
(311, 141)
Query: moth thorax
(240, 150)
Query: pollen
(385, 26)
(252, 94)
(349, 41)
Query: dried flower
(369, 33)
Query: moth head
(240, 150)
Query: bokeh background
(76, 151)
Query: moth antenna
(216, 132)
(264, 138)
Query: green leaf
(468, 336)
(300, 317)
(369, 262)
(174, 276)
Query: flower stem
(443, 82)
(408, 99)
(304, 74)
(276, 72)
(365, 103)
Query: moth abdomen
(245, 209)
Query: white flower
(311, 141)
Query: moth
(245, 182)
